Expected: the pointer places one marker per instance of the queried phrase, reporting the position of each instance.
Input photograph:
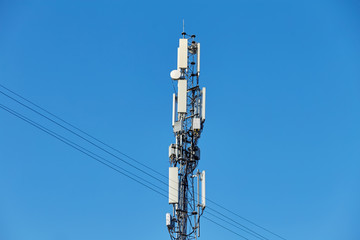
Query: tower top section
(186, 184)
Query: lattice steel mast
(187, 120)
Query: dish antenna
(175, 74)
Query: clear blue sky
(281, 144)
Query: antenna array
(186, 185)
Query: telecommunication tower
(186, 184)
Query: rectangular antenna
(198, 59)
(203, 93)
(173, 185)
(182, 96)
(203, 198)
(173, 110)
(183, 53)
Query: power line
(247, 220)
(225, 228)
(83, 132)
(69, 143)
(243, 228)
(77, 146)
(87, 140)
(92, 155)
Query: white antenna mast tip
(183, 32)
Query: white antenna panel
(168, 220)
(196, 124)
(173, 185)
(173, 110)
(203, 103)
(198, 59)
(183, 53)
(203, 198)
(182, 96)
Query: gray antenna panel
(203, 198)
(198, 59)
(182, 96)
(173, 110)
(173, 185)
(183, 53)
(203, 105)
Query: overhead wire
(70, 143)
(85, 139)
(247, 220)
(228, 229)
(30, 108)
(92, 155)
(102, 143)
(83, 132)
(114, 149)
(243, 228)
(77, 146)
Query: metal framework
(184, 155)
